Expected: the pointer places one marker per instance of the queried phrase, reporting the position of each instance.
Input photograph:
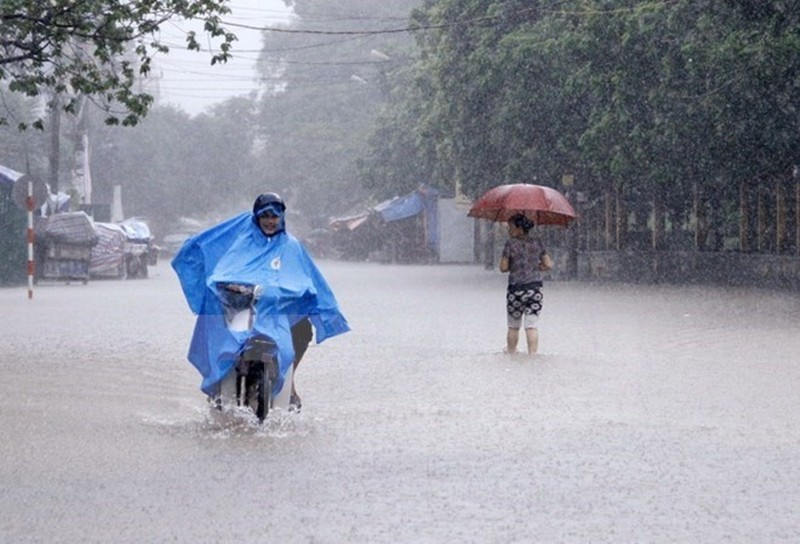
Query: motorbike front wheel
(264, 393)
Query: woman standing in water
(524, 258)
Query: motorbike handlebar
(239, 295)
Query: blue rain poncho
(237, 251)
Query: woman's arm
(503, 264)
(545, 262)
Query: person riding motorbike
(268, 211)
(254, 249)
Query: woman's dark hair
(520, 221)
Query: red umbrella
(543, 205)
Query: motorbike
(251, 381)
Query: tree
(476, 118)
(655, 105)
(69, 49)
(402, 150)
(327, 79)
(21, 151)
(173, 165)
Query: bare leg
(533, 340)
(294, 370)
(294, 398)
(511, 340)
(302, 333)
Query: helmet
(272, 200)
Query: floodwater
(652, 414)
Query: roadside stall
(401, 229)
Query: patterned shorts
(525, 303)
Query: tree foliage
(70, 49)
(326, 79)
(655, 99)
(21, 151)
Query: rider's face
(269, 223)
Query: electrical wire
(463, 22)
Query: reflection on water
(658, 414)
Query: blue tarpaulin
(400, 207)
(15, 184)
(422, 200)
(8, 176)
(237, 251)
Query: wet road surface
(652, 414)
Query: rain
(662, 404)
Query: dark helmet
(265, 200)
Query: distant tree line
(301, 135)
(670, 124)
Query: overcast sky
(187, 78)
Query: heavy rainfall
(662, 403)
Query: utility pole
(81, 176)
(55, 129)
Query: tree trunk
(780, 216)
(658, 223)
(608, 219)
(700, 218)
(744, 223)
(55, 133)
(797, 217)
(761, 218)
(622, 220)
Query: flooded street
(652, 414)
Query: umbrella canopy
(543, 205)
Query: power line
(464, 22)
(369, 32)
